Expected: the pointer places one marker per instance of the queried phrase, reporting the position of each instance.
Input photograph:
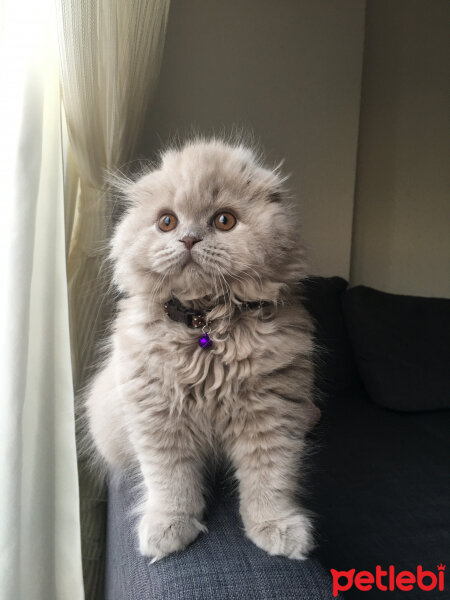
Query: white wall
(290, 71)
(402, 214)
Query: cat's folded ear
(269, 184)
(276, 196)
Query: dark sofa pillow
(335, 369)
(402, 347)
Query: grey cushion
(220, 565)
(401, 346)
(335, 368)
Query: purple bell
(205, 341)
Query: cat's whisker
(219, 254)
(229, 297)
(242, 274)
(159, 286)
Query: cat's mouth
(190, 262)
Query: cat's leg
(170, 454)
(266, 446)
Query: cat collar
(195, 319)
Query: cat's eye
(224, 221)
(167, 222)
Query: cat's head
(210, 220)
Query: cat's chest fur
(247, 349)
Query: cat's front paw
(161, 534)
(290, 535)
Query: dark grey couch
(379, 478)
(220, 565)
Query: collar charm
(205, 341)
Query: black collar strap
(196, 319)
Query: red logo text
(388, 580)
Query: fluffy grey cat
(210, 352)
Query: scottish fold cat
(210, 351)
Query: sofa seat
(380, 484)
(220, 565)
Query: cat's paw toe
(287, 536)
(160, 534)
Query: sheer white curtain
(40, 554)
(110, 52)
(110, 58)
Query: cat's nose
(189, 241)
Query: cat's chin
(192, 283)
(191, 265)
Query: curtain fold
(110, 53)
(40, 548)
(110, 59)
